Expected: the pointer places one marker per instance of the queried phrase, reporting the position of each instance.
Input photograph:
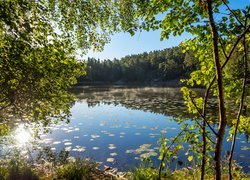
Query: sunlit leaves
(39, 41)
(192, 101)
(244, 125)
(190, 158)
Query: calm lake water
(119, 126)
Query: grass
(81, 169)
(17, 170)
(149, 173)
(72, 169)
(76, 170)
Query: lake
(119, 126)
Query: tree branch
(228, 57)
(223, 49)
(203, 117)
(231, 11)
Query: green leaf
(190, 158)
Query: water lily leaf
(111, 146)
(129, 151)
(242, 155)
(148, 154)
(67, 143)
(244, 148)
(154, 127)
(113, 154)
(110, 159)
(68, 148)
(57, 142)
(93, 136)
(65, 140)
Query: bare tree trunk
(222, 110)
(204, 148)
(204, 140)
(239, 111)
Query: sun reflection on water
(22, 135)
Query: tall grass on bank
(87, 169)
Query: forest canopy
(154, 66)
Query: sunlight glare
(22, 135)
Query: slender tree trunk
(239, 111)
(204, 148)
(204, 140)
(222, 111)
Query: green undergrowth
(149, 173)
(76, 169)
(81, 169)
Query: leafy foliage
(39, 41)
(214, 43)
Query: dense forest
(155, 66)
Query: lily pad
(110, 159)
(154, 127)
(112, 146)
(67, 143)
(245, 148)
(93, 136)
(148, 154)
(57, 142)
(68, 148)
(113, 154)
(66, 140)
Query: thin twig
(223, 49)
(164, 155)
(212, 129)
(231, 11)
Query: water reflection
(119, 126)
(22, 135)
(161, 100)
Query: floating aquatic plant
(110, 159)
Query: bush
(76, 170)
(17, 170)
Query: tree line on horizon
(154, 66)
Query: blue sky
(123, 44)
